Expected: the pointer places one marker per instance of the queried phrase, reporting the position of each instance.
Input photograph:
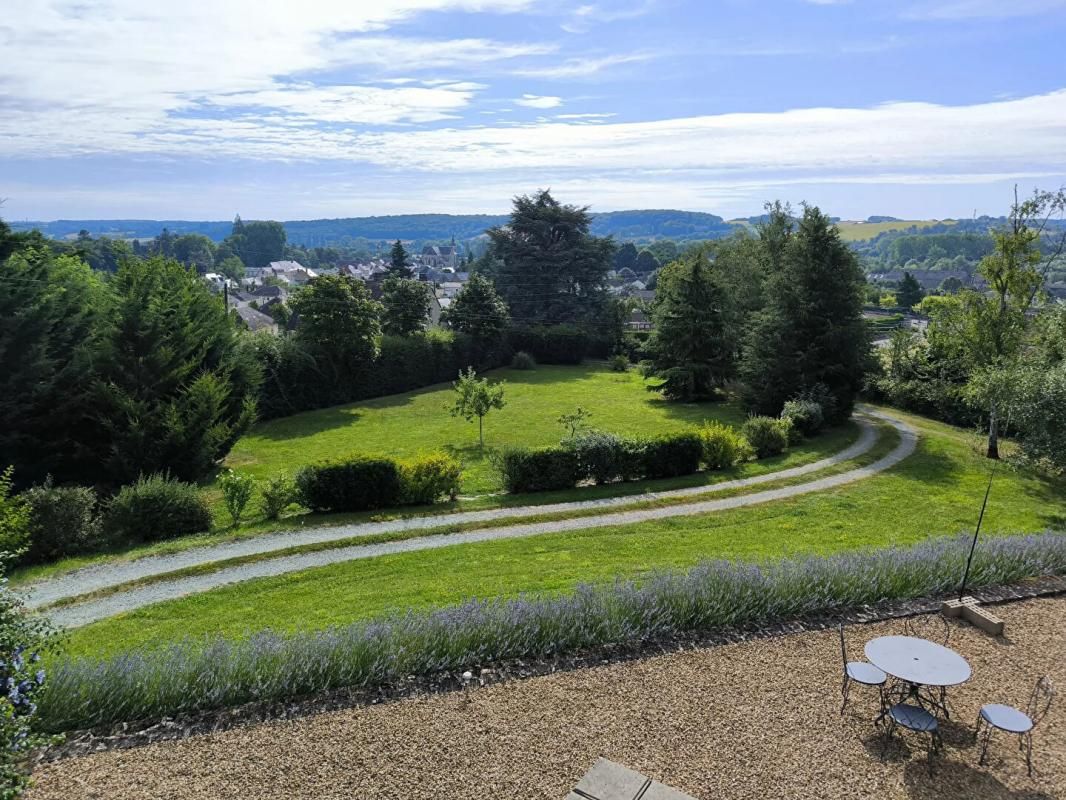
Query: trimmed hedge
(357, 484)
(62, 522)
(541, 470)
(429, 479)
(723, 446)
(767, 436)
(155, 508)
(672, 455)
(599, 455)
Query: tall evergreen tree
(910, 292)
(176, 390)
(626, 257)
(339, 325)
(646, 263)
(810, 330)
(551, 268)
(478, 311)
(406, 306)
(691, 354)
(399, 266)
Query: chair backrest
(931, 627)
(843, 647)
(1040, 700)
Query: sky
(296, 110)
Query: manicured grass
(825, 445)
(936, 491)
(416, 422)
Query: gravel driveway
(747, 721)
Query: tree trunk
(993, 434)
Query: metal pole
(977, 530)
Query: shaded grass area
(936, 491)
(823, 446)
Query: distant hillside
(623, 225)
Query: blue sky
(275, 109)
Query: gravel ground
(92, 610)
(102, 576)
(754, 720)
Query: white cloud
(538, 101)
(585, 116)
(581, 67)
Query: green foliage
(599, 454)
(339, 326)
(538, 470)
(399, 266)
(277, 494)
(53, 313)
(14, 516)
(619, 362)
(551, 268)
(176, 390)
(690, 353)
(646, 263)
(357, 484)
(811, 329)
(910, 292)
(429, 479)
(672, 455)
(478, 311)
(767, 436)
(625, 257)
(156, 507)
(523, 360)
(22, 640)
(805, 416)
(406, 306)
(232, 267)
(237, 490)
(723, 446)
(575, 421)
(62, 522)
(256, 243)
(551, 344)
(474, 398)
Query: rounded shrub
(540, 470)
(723, 445)
(619, 362)
(805, 415)
(766, 435)
(62, 522)
(523, 360)
(356, 484)
(156, 507)
(599, 455)
(429, 479)
(277, 494)
(237, 491)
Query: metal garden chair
(861, 672)
(931, 627)
(1011, 720)
(918, 720)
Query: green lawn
(405, 425)
(936, 491)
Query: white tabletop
(918, 661)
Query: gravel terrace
(756, 720)
(102, 576)
(91, 610)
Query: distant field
(864, 231)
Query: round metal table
(917, 661)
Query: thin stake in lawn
(476, 397)
(977, 530)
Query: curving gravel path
(100, 577)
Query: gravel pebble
(758, 720)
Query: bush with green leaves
(277, 494)
(14, 516)
(723, 445)
(619, 362)
(429, 479)
(599, 455)
(766, 435)
(63, 521)
(540, 470)
(156, 507)
(805, 415)
(22, 639)
(237, 490)
(672, 455)
(523, 360)
(356, 484)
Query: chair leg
(984, 745)
(844, 691)
(1029, 753)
